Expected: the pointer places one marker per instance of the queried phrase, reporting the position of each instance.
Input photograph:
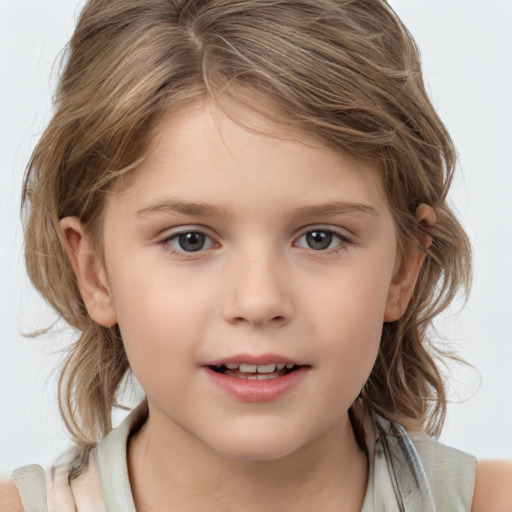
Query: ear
(89, 271)
(408, 267)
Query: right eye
(188, 242)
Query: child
(243, 203)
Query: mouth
(252, 378)
(255, 371)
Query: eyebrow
(208, 210)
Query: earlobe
(89, 271)
(408, 267)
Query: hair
(345, 72)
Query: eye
(188, 241)
(321, 239)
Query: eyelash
(344, 241)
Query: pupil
(192, 242)
(319, 240)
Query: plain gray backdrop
(467, 53)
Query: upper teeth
(257, 368)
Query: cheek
(155, 321)
(348, 317)
(349, 302)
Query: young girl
(243, 203)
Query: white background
(467, 53)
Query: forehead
(201, 153)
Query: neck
(178, 472)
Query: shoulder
(10, 500)
(450, 473)
(30, 483)
(493, 486)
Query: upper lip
(254, 359)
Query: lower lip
(254, 391)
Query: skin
(257, 286)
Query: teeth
(266, 368)
(259, 376)
(266, 376)
(248, 368)
(261, 368)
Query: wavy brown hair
(345, 72)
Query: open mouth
(255, 372)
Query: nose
(258, 292)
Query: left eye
(190, 241)
(320, 239)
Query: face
(250, 276)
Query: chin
(268, 446)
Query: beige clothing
(105, 486)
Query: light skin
(299, 258)
(256, 287)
